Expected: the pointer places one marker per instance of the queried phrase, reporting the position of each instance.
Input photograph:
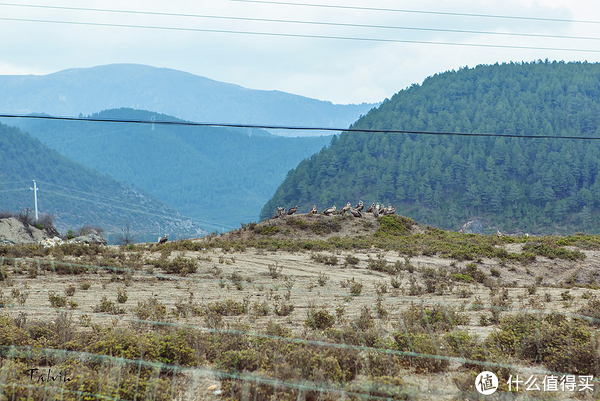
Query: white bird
(330, 211)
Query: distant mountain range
(77, 195)
(176, 93)
(219, 176)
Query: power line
(14, 182)
(307, 36)
(297, 128)
(132, 207)
(318, 23)
(420, 11)
(13, 190)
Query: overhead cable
(318, 23)
(297, 128)
(306, 36)
(419, 11)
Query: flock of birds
(356, 211)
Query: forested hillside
(219, 176)
(512, 184)
(77, 195)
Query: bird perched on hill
(355, 212)
(330, 211)
(360, 206)
(376, 212)
(346, 208)
(163, 240)
(499, 234)
(383, 211)
(388, 210)
(370, 208)
(280, 211)
(313, 210)
(292, 210)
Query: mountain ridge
(221, 177)
(181, 94)
(77, 195)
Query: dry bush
(106, 306)
(319, 318)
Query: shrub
(283, 309)
(178, 265)
(122, 296)
(267, 230)
(352, 260)
(394, 225)
(319, 319)
(326, 226)
(421, 343)
(70, 290)
(57, 301)
(591, 310)
(327, 260)
(322, 279)
(228, 307)
(106, 306)
(355, 288)
(436, 318)
(151, 309)
(275, 270)
(563, 345)
(380, 387)
(552, 251)
(260, 308)
(380, 265)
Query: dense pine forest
(76, 195)
(540, 186)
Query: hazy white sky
(339, 70)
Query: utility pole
(34, 189)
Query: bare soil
(296, 278)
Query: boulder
(15, 232)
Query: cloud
(342, 71)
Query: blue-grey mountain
(180, 94)
(77, 195)
(221, 177)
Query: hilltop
(541, 186)
(186, 96)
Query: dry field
(318, 280)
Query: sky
(319, 49)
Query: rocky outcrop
(15, 232)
